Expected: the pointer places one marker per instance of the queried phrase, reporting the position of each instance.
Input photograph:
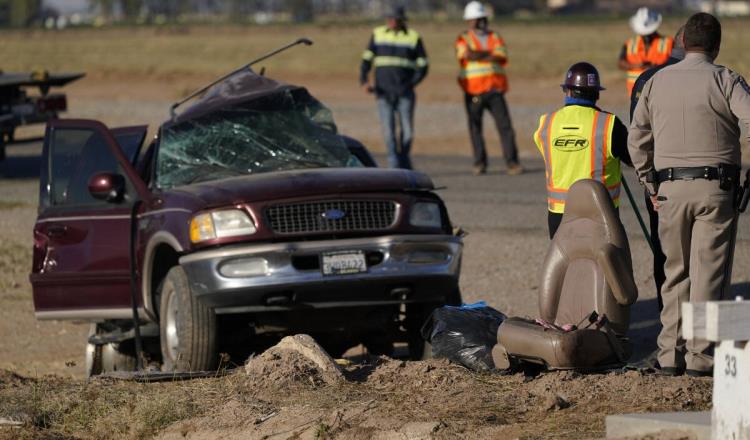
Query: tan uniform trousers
(696, 226)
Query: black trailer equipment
(18, 107)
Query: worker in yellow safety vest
(646, 49)
(580, 141)
(482, 58)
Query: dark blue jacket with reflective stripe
(399, 58)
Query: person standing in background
(678, 53)
(482, 56)
(646, 49)
(400, 61)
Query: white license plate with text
(343, 263)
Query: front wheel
(187, 326)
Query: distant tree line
(298, 10)
(18, 13)
(28, 12)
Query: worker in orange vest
(482, 57)
(645, 50)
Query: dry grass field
(538, 49)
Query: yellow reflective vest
(575, 143)
(399, 59)
(395, 48)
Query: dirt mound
(295, 360)
(428, 374)
(8, 378)
(284, 393)
(281, 367)
(569, 388)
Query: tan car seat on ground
(587, 281)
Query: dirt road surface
(506, 220)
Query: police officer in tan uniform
(684, 140)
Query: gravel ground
(505, 216)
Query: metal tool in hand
(638, 215)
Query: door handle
(56, 231)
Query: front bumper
(403, 269)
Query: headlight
(218, 224)
(244, 267)
(426, 215)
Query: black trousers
(553, 222)
(493, 101)
(659, 258)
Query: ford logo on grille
(333, 214)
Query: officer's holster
(587, 281)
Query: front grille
(332, 216)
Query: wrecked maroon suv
(249, 217)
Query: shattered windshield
(283, 131)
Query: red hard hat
(582, 75)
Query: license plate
(343, 263)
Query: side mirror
(109, 187)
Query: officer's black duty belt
(692, 173)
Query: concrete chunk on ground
(293, 356)
(689, 425)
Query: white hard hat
(645, 22)
(475, 10)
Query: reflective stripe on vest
(636, 52)
(394, 49)
(479, 72)
(576, 144)
(384, 61)
(477, 77)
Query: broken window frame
(292, 117)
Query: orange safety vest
(636, 52)
(477, 77)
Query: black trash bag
(464, 334)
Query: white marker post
(727, 323)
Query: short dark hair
(702, 31)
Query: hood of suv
(303, 183)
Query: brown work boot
(668, 371)
(699, 373)
(515, 169)
(479, 170)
